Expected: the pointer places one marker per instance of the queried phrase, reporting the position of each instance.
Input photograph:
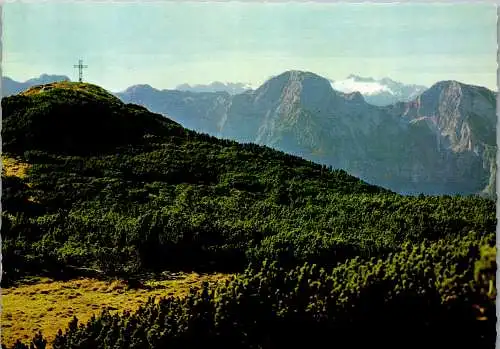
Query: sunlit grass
(13, 167)
(83, 89)
(49, 305)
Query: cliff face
(462, 120)
(463, 117)
(442, 142)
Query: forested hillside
(112, 187)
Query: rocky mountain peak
(293, 87)
(463, 117)
(293, 76)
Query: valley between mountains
(282, 206)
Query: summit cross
(80, 67)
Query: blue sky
(169, 43)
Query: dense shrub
(424, 296)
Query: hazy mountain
(216, 86)
(442, 142)
(12, 87)
(196, 111)
(378, 92)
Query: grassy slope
(49, 305)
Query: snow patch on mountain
(352, 84)
(381, 92)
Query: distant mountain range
(12, 87)
(378, 92)
(441, 142)
(216, 86)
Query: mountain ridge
(452, 123)
(299, 112)
(216, 86)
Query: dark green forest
(319, 256)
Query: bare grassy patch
(50, 305)
(14, 167)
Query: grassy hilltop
(91, 183)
